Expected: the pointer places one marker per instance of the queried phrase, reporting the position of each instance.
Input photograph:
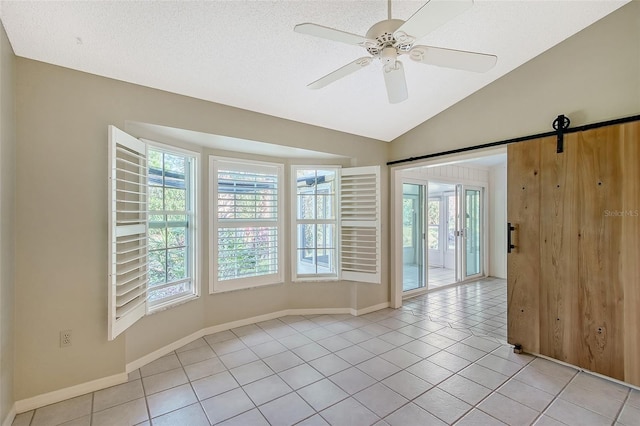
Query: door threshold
(421, 291)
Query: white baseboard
(319, 311)
(105, 382)
(71, 392)
(159, 353)
(246, 321)
(11, 415)
(369, 309)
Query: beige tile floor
(441, 359)
(438, 277)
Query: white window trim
(195, 231)
(295, 277)
(216, 286)
(357, 212)
(118, 323)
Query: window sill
(302, 280)
(244, 287)
(172, 303)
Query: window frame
(193, 250)
(128, 230)
(295, 221)
(221, 286)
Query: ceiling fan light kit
(391, 38)
(395, 82)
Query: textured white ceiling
(245, 53)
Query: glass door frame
(463, 234)
(397, 176)
(457, 267)
(421, 239)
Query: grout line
(419, 308)
(557, 395)
(144, 395)
(626, 399)
(93, 399)
(190, 384)
(31, 419)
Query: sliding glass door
(472, 232)
(413, 233)
(468, 236)
(442, 234)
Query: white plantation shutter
(246, 223)
(128, 253)
(360, 224)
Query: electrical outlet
(65, 338)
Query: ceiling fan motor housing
(388, 55)
(382, 34)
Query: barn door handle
(510, 228)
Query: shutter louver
(246, 224)
(128, 253)
(360, 224)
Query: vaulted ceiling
(246, 54)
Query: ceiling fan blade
(396, 83)
(430, 16)
(341, 72)
(449, 58)
(329, 33)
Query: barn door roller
(560, 124)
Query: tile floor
(438, 277)
(441, 359)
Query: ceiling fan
(389, 39)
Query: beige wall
(7, 216)
(61, 189)
(61, 265)
(590, 77)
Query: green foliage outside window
(168, 237)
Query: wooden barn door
(523, 262)
(574, 276)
